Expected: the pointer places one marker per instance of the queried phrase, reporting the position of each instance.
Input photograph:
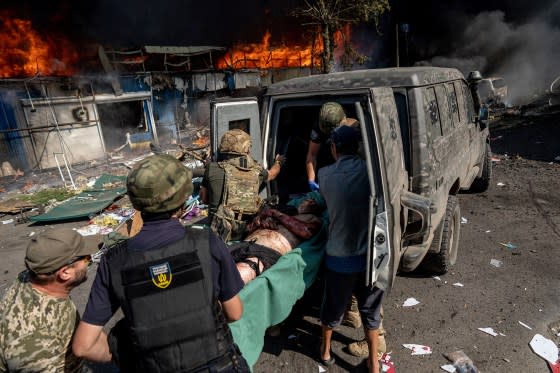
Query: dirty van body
(422, 142)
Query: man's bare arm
(233, 308)
(311, 160)
(90, 342)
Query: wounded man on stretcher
(273, 233)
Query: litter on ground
(525, 325)
(545, 348)
(464, 220)
(509, 245)
(488, 331)
(418, 349)
(496, 263)
(458, 284)
(437, 278)
(500, 184)
(449, 368)
(410, 302)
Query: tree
(331, 16)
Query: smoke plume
(526, 54)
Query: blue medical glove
(313, 185)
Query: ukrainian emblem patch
(161, 275)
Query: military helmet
(330, 116)
(235, 142)
(159, 183)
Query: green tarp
(268, 299)
(106, 189)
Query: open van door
(390, 200)
(229, 114)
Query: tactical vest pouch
(225, 225)
(240, 198)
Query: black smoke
(516, 40)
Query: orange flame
(26, 53)
(264, 56)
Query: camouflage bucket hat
(235, 142)
(159, 183)
(330, 116)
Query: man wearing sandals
(345, 186)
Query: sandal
(327, 362)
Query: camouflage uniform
(36, 331)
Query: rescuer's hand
(313, 185)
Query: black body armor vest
(166, 295)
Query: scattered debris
(461, 362)
(449, 368)
(31, 234)
(488, 231)
(387, 365)
(488, 331)
(509, 245)
(321, 369)
(496, 159)
(507, 360)
(496, 263)
(458, 284)
(9, 221)
(418, 349)
(436, 278)
(464, 220)
(525, 325)
(545, 348)
(410, 302)
(500, 184)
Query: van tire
(482, 183)
(440, 262)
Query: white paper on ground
(449, 368)
(321, 369)
(418, 349)
(458, 284)
(410, 302)
(545, 348)
(488, 331)
(501, 184)
(525, 325)
(464, 220)
(437, 278)
(496, 263)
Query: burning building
(66, 104)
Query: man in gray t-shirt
(345, 187)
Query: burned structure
(154, 94)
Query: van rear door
(228, 114)
(386, 153)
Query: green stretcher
(269, 298)
(87, 203)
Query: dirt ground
(524, 211)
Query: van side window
(468, 102)
(454, 106)
(402, 110)
(432, 112)
(444, 108)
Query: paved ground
(525, 211)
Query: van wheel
(440, 262)
(481, 184)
